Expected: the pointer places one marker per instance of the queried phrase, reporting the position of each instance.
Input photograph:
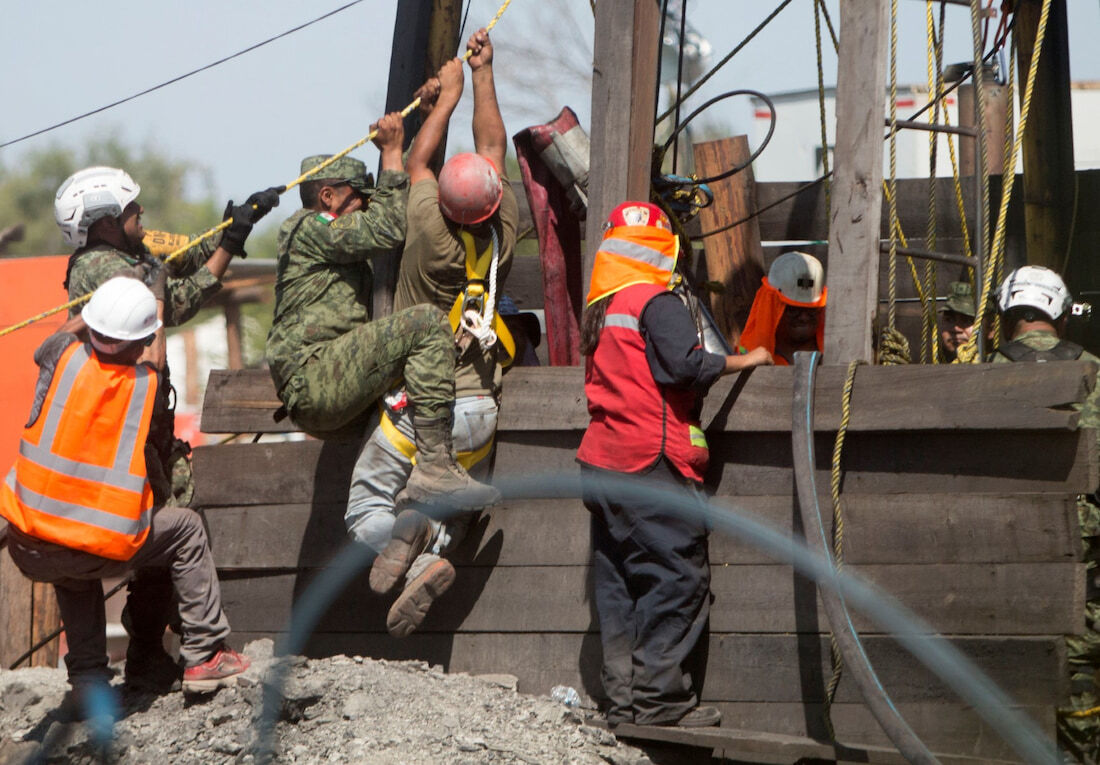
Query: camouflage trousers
(337, 386)
(1081, 735)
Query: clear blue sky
(250, 121)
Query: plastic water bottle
(565, 695)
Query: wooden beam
(425, 35)
(735, 259)
(1048, 138)
(624, 78)
(857, 184)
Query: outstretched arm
(447, 90)
(490, 138)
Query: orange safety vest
(80, 479)
(632, 255)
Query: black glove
(245, 216)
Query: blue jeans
(381, 471)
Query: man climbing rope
(461, 236)
(645, 375)
(80, 502)
(1035, 306)
(788, 313)
(98, 213)
(330, 362)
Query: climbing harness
(474, 311)
(228, 221)
(396, 400)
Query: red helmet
(469, 188)
(638, 214)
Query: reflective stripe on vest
(55, 495)
(477, 270)
(630, 255)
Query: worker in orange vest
(788, 313)
(78, 499)
(645, 376)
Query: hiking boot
(149, 669)
(699, 717)
(411, 606)
(219, 670)
(410, 536)
(436, 477)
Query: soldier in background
(956, 320)
(1035, 306)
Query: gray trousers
(176, 542)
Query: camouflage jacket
(1044, 341)
(324, 279)
(189, 285)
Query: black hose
(836, 610)
(721, 97)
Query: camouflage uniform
(189, 285)
(329, 361)
(960, 299)
(1082, 651)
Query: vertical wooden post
(624, 81)
(735, 258)
(233, 351)
(855, 218)
(1048, 138)
(996, 108)
(425, 35)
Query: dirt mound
(341, 709)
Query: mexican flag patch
(325, 217)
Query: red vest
(80, 479)
(634, 420)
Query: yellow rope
(821, 105)
(838, 534)
(1077, 713)
(225, 224)
(968, 351)
(929, 351)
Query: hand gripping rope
(226, 223)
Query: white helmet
(1035, 287)
(88, 195)
(122, 309)
(797, 277)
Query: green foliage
(27, 191)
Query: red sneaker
(220, 669)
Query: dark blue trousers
(652, 589)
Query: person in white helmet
(788, 312)
(1035, 306)
(98, 213)
(78, 500)
(457, 255)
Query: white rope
(480, 323)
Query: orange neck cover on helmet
(767, 312)
(633, 255)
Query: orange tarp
(28, 286)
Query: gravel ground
(341, 709)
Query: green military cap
(960, 298)
(346, 169)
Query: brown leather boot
(410, 536)
(436, 477)
(411, 606)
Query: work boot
(437, 478)
(149, 669)
(410, 536)
(411, 606)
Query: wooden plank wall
(943, 510)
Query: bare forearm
(428, 138)
(490, 137)
(219, 261)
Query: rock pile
(339, 709)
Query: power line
(180, 77)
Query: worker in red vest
(78, 499)
(646, 372)
(788, 313)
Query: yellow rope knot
(893, 349)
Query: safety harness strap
(406, 447)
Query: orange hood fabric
(633, 255)
(767, 311)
